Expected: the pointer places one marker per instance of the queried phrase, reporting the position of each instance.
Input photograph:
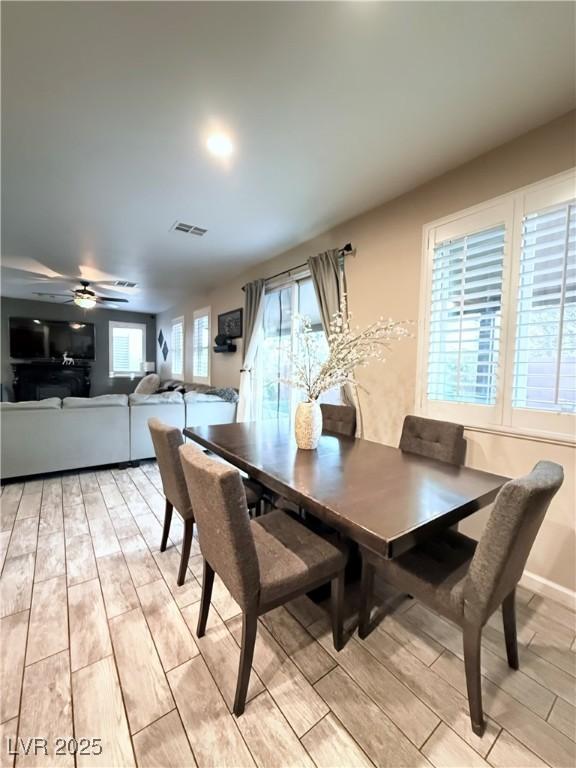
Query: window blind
(465, 317)
(545, 349)
(177, 348)
(201, 345)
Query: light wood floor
(97, 642)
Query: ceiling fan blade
(54, 295)
(33, 267)
(111, 298)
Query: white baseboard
(542, 586)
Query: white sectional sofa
(169, 407)
(54, 435)
(51, 435)
(203, 408)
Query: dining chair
(263, 562)
(166, 440)
(465, 580)
(440, 440)
(338, 419)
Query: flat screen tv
(32, 339)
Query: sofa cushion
(148, 385)
(228, 394)
(172, 388)
(95, 402)
(171, 384)
(33, 405)
(201, 397)
(211, 394)
(159, 397)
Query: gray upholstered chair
(467, 581)
(441, 440)
(338, 419)
(264, 562)
(166, 440)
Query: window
(177, 341)
(127, 342)
(545, 354)
(201, 346)
(466, 304)
(498, 340)
(271, 396)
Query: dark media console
(38, 380)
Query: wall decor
(160, 339)
(230, 323)
(165, 351)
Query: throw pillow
(172, 388)
(148, 385)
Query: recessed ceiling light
(37, 322)
(220, 145)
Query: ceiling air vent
(188, 229)
(124, 284)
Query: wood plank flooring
(98, 642)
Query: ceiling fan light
(86, 302)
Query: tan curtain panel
(329, 278)
(253, 311)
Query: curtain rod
(341, 252)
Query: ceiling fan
(84, 297)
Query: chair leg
(337, 607)
(166, 529)
(472, 636)
(249, 625)
(509, 621)
(186, 544)
(207, 582)
(366, 587)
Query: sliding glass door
(274, 398)
(279, 340)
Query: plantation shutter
(465, 317)
(121, 351)
(177, 348)
(545, 349)
(127, 345)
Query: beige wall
(383, 279)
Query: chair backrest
(166, 440)
(224, 529)
(502, 551)
(339, 419)
(441, 440)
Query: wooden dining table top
(379, 496)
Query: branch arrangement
(348, 349)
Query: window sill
(125, 375)
(524, 434)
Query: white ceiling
(333, 107)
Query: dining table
(385, 499)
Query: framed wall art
(230, 324)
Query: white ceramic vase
(308, 425)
